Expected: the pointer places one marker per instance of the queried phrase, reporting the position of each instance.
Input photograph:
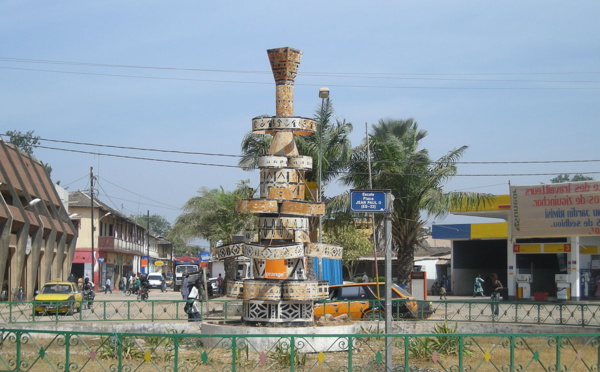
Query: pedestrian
(191, 307)
(478, 287)
(365, 278)
(496, 292)
(443, 292)
(72, 278)
(597, 286)
(220, 284)
(185, 289)
(107, 286)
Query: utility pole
(148, 242)
(92, 220)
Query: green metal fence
(84, 351)
(540, 313)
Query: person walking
(496, 292)
(478, 286)
(185, 289)
(193, 298)
(220, 284)
(365, 278)
(107, 286)
(443, 292)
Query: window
(352, 293)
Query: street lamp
(323, 94)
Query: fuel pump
(563, 287)
(524, 286)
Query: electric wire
(360, 173)
(369, 75)
(301, 84)
(141, 158)
(136, 194)
(239, 156)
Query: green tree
(356, 244)
(332, 138)
(399, 164)
(158, 223)
(212, 216)
(26, 142)
(566, 178)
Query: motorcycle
(88, 298)
(132, 290)
(142, 294)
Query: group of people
(496, 286)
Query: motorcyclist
(144, 285)
(88, 291)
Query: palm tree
(413, 178)
(332, 138)
(212, 215)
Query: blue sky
(515, 81)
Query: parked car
(155, 280)
(360, 301)
(58, 297)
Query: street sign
(369, 201)
(204, 256)
(101, 259)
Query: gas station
(546, 248)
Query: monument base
(280, 336)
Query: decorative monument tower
(280, 292)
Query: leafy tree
(566, 178)
(356, 244)
(158, 223)
(26, 142)
(399, 164)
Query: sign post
(380, 201)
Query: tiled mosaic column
(280, 293)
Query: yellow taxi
(58, 297)
(361, 301)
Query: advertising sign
(556, 210)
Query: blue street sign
(204, 256)
(368, 201)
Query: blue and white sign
(204, 256)
(368, 201)
(101, 259)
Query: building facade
(37, 238)
(116, 245)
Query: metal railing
(539, 313)
(93, 351)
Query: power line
(302, 84)
(140, 158)
(369, 75)
(375, 161)
(389, 174)
(139, 148)
(136, 194)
